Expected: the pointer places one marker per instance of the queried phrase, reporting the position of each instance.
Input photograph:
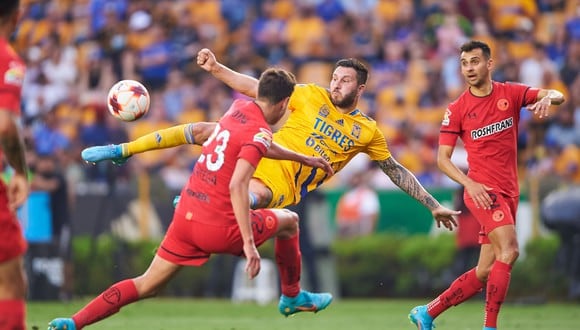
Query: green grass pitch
(176, 314)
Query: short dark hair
(8, 8)
(476, 44)
(275, 85)
(362, 72)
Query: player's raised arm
(405, 180)
(546, 97)
(242, 83)
(192, 133)
(277, 151)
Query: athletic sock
(288, 258)
(107, 303)
(12, 314)
(463, 288)
(164, 138)
(496, 291)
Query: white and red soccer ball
(128, 100)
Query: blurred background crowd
(76, 50)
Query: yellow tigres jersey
(315, 127)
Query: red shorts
(502, 213)
(190, 243)
(12, 243)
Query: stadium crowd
(76, 49)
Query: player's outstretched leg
(62, 324)
(304, 302)
(421, 318)
(112, 152)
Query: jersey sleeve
(523, 94)
(255, 148)
(378, 149)
(531, 96)
(450, 126)
(11, 79)
(10, 101)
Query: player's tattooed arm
(405, 180)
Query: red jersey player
(12, 243)
(486, 118)
(214, 213)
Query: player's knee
(509, 255)
(260, 195)
(288, 224)
(260, 199)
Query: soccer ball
(128, 100)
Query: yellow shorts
(277, 175)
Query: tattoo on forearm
(405, 180)
(13, 148)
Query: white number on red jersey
(215, 160)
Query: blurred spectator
(101, 11)
(533, 68)
(357, 210)
(509, 16)
(47, 176)
(48, 137)
(154, 59)
(563, 130)
(184, 40)
(267, 33)
(306, 46)
(571, 67)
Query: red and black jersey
(241, 133)
(488, 127)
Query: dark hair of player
(8, 8)
(475, 44)
(362, 72)
(275, 85)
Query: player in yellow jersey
(321, 122)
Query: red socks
(289, 262)
(107, 303)
(12, 314)
(463, 288)
(467, 285)
(497, 287)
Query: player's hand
(479, 193)
(318, 162)
(206, 59)
(542, 107)
(252, 260)
(446, 217)
(18, 189)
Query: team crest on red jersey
(498, 216)
(503, 104)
